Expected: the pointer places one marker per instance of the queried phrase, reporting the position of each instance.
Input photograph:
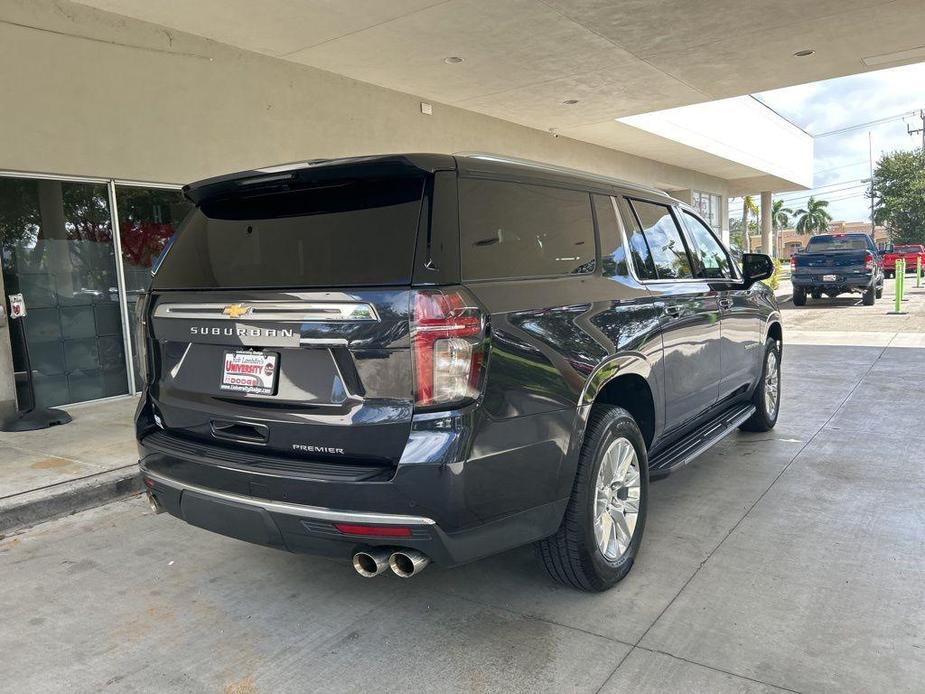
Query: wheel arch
(626, 381)
(776, 331)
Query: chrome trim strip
(316, 512)
(324, 341)
(273, 311)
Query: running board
(684, 451)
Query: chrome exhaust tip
(408, 562)
(371, 562)
(154, 504)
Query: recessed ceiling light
(453, 59)
(803, 53)
(570, 102)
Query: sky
(841, 160)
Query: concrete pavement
(53, 472)
(787, 561)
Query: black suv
(427, 357)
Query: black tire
(799, 297)
(572, 556)
(816, 294)
(888, 275)
(763, 419)
(870, 295)
(880, 291)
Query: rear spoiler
(285, 176)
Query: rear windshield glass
(909, 249)
(836, 243)
(336, 233)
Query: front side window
(663, 238)
(711, 258)
(519, 230)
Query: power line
(858, 126)
(807, 196)
(843, 166)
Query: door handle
(725, 304)
(240, 431)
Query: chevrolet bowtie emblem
(236, 310)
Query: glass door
(148, 218)
(58, 251)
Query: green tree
(814, 218)
(899, 195)
(780, 215)
(749, 206)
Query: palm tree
(780, 219)
(780, 215)
(814, 218)
(748, 206)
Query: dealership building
(109, 106)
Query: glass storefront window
(58, 251)
(710, 208)
(148, 217)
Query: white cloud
(842, 160)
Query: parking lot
(788, 561)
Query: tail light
(793, 263)
(447, 333)
(869, 262)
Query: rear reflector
(373, 530)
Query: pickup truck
(908, 252)
(834, 264)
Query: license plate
(829, 278)
(250, 372)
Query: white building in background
(110, 105)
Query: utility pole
(919, 130)
(870, 153)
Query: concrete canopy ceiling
(523, 58)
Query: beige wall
(89, 93)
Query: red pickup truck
(909, 252)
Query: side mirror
(756, 266)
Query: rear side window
(663, 238)
(355, 232)
(519, 230)
(712, 259)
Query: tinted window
(339, 233)
(613, 254)
(519, 230)
(664, 240)
(639, 249)
(711, 258)
(818, 244)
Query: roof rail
(554, 168)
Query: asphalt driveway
(788, 561)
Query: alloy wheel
(616, 507)
(771, 384)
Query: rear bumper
(311, 529)
(843, 283)
(462, 496)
